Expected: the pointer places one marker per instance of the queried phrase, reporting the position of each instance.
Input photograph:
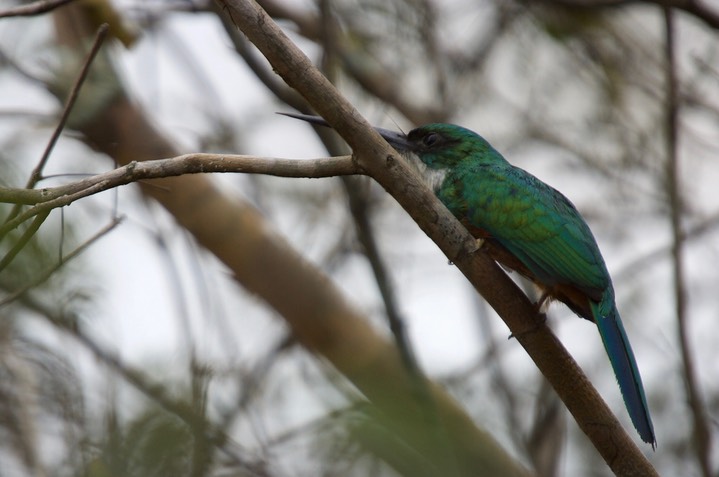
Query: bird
(528, 226)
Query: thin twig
(36, 173)
(195, 163)
(53, 197)
(259, 67)
(55, 267)
(49, 205)
(365, 69)
(360, 210)
(366, 236)
(31, 9)
(24, 240)
(701, 435)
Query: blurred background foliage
(131, 359)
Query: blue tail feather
(625, 368)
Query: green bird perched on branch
(527, 226)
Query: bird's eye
(430, 139)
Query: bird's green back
(532, 220)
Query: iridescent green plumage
(532, 220)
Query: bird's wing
(541, 228)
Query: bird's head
(434, 149)
(445, 146)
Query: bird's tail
(625, 367)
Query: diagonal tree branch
(320, 317)
(383, 164)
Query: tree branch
(54, 197)
(186, 164)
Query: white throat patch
(432, 177)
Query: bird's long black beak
(395, 139)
